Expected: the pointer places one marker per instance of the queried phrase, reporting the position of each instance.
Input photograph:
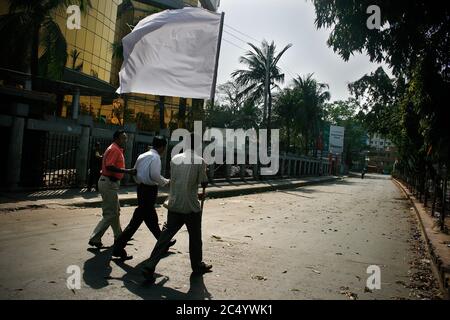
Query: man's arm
(203, 177)
(119, 170)
(111, 167)
(155, 173)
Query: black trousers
(145, 212)
(175, 221)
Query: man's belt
(113, 179)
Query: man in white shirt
(187, 171)
(148, 178)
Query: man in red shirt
(113, 170)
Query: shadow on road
(296, 193)
(97, 269)
(136, 284)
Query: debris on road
(260, 278)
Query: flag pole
(216, 67)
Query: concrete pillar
(15, 153)
(128, 154)
(242, 171)
(256, 171)
(293, 167)
(228, 171)
(76, 104)
(129, 150)
(82, 156)
(282, 166)
(289, 167)
(166, 156)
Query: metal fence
(64, 159)
(432, 189)
(49, 159)
(103, 145)
(5, 133)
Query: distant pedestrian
(363, 172)
(95, 165)
(113, 170)
(148, 178)
(187, 171)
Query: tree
(230, 94)
(313, 96)
(286, 104)
(414, 41)
(262, 75)
(29, 26)
(378, 98)
(344, 114)
(409, 29)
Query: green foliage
(262, 68)
(410, 109)
(344, 114)
(409, 29)
(75, 54)
(299, 112)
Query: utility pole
(266, 88)
(216, 67)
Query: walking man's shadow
(135, 283)
(97, 270)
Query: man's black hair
(159, 141)
(117, 134)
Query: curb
(216, 193)
(442, 272)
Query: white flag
(171, 53)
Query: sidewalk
(438, 243)
(127, 194)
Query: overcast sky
(288, 21)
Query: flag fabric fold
(171, 53)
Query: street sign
(336, 139)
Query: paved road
(313, 242)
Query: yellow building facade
(91, 59)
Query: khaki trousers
(110, 207)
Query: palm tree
(313, 96)
(287, 103)
(30, 26)
(262, 75)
